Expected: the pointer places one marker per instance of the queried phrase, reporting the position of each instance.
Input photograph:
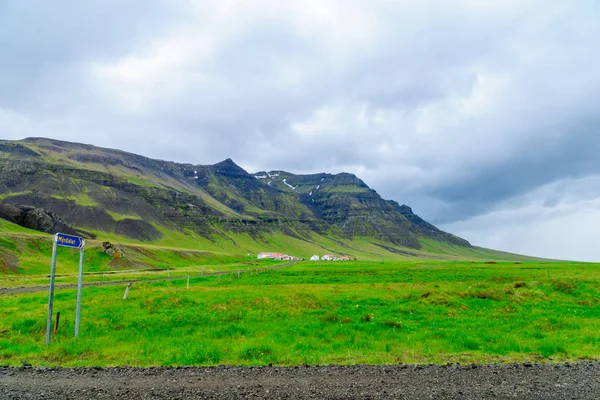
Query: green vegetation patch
(321, 313)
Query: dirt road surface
(526, 381)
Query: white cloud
(165, 69)
(456, 106)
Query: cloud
(455, 107)
(139, 79)
(559, 220)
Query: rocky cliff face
(353, 209)
(47, 185)
(37, 219)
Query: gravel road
(526, 381)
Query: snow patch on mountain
(291, 186)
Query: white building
(314, 258)
(277, 256)
(273, 256)
(328, 257)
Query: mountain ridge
(107, 191)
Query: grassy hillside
(26, 252)
(123, 197)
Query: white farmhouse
(314, 258)
(267, 254)
(328, 257)
(277, 256)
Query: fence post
(127, 291)
(188, 282)
(56, 323)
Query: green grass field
(419, 311)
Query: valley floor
(320, 313)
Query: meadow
(382, 312)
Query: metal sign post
(79, 285)
(51, 297)
(60, 239)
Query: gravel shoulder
(526, 381)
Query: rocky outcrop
(37, 219)
(112, 250)
(17, 149)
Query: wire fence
(34, 284)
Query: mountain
(104, 193)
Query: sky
(483, 116)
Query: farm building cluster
(330, 257)
(282, 256)
(277, 256)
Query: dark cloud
(457, 108)
(571, 155)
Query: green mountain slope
(114, 195)
(353, 209)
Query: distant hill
(104, 193)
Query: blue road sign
(76, 242)
(69, 241)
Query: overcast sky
(484, 116)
